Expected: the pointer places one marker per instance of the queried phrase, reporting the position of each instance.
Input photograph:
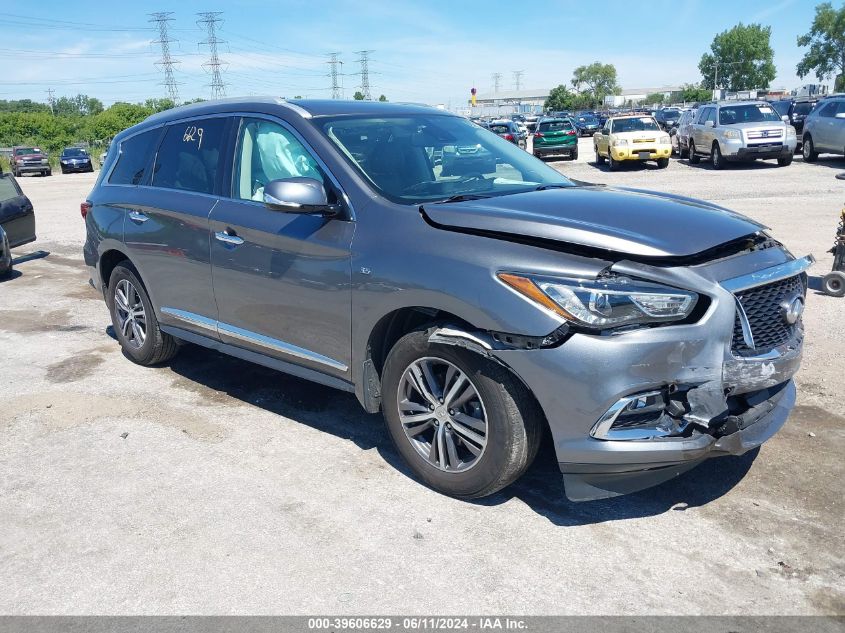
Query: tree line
(740, 58)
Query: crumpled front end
(628, 410)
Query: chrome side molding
(768, 275)
(218, 327)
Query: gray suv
(479, 309)
(824, 129)
(740, 130)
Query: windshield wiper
(461, 197)
(551, 186)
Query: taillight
(570, 133)
(508, 137)
(84, 208)
(538, 134)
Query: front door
(16, 214)
(281, 280)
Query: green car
(555, 136)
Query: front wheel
(784, 161)
(694, 158)
(612, 162)
(834, 284)
(716, 157)
(662, 163)
(464, 424)
(134, 319)
(599, 157)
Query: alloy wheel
(132, 319)
(442, 414)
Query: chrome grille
(763, 307)
(765, 134)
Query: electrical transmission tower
(517, 78)
(334, 63)
(497, 79)
(364, 60)
(52, 100)
(209, 20)
(160, 19)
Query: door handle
(228, 238)
(137, 217)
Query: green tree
(159, 105)
(358, 96)
(742, 57)
(382, 98)
(559, 99)
(596, 80)
(826, 40)
(694, 93)
(23, 105)
(654, 98)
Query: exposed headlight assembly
(665, 140)
(732, 134)
(620, 142)
(790, 131)
(606, 302)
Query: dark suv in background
(75, 159)
(478, 310)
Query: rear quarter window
(189, 154)
(135, 155)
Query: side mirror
(785, 118)
(298, 195)
(709, 124)
(840, 115)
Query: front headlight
(606, 302)
(664, 139)
(790, 132)
(734, 134)
(44, 161)
(620, 142)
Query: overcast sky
(432, 51)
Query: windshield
(781, 107)
(500, 128)
(803, 108)
(423, 158)
(753, 113)
(74, 151)
(635, 124)
(23, 151)
(671, 114)
(554, 126)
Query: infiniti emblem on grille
(792, 310)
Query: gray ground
(214, 486)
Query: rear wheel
(574, 154)
(808, 150)
(464, 424)
(694, 158)
(134, 320)
(834, 283)
(716, 157)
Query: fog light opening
(642, 416)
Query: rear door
(166, 230)
(17, 216)
(281, 280)
(824, 132)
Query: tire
(834, 284)
(599, 157)
(154, 346)
(681, 152)
(6, 261)
(808, 150)
(716, 157)
(499, 404)
(612, 162)
(694, 158)
(573, 155)
(785, 161)
(662, 163)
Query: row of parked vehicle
(27, 159)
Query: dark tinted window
(802, 108)
(7, 188)
(781, 107)
(554, 126)
(23, 151)
(74, 151)
(188, 155)
(135, 155)
(500, 128)
(829, 109)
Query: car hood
(627, 221)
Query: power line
(517, 78)
(497, 78)
(364, 60)
(161, 18)
(209, 20)
(334, 62)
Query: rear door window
(829, 110)
(135, 155)
(7, 188)
(189, 155)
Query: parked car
(75, 159)
(742, 130)
(794, 112)
(17, 221)
(632, 138)
(29, 160)
(478, 311)
(555, 136)
(531, 122)
(667, 117)
(824, 129)
(509, 131)
(681, 133)
(586, 124)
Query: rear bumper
(544, 150)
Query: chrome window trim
(252, 337)
(768, 275)
(107, 177)
(305, 114)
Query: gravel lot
(214, 486)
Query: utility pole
(160, 19)
(517, 78)
(51, 100)
(497, 78)
(209, 20)
(334, 63)
(364, 60)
